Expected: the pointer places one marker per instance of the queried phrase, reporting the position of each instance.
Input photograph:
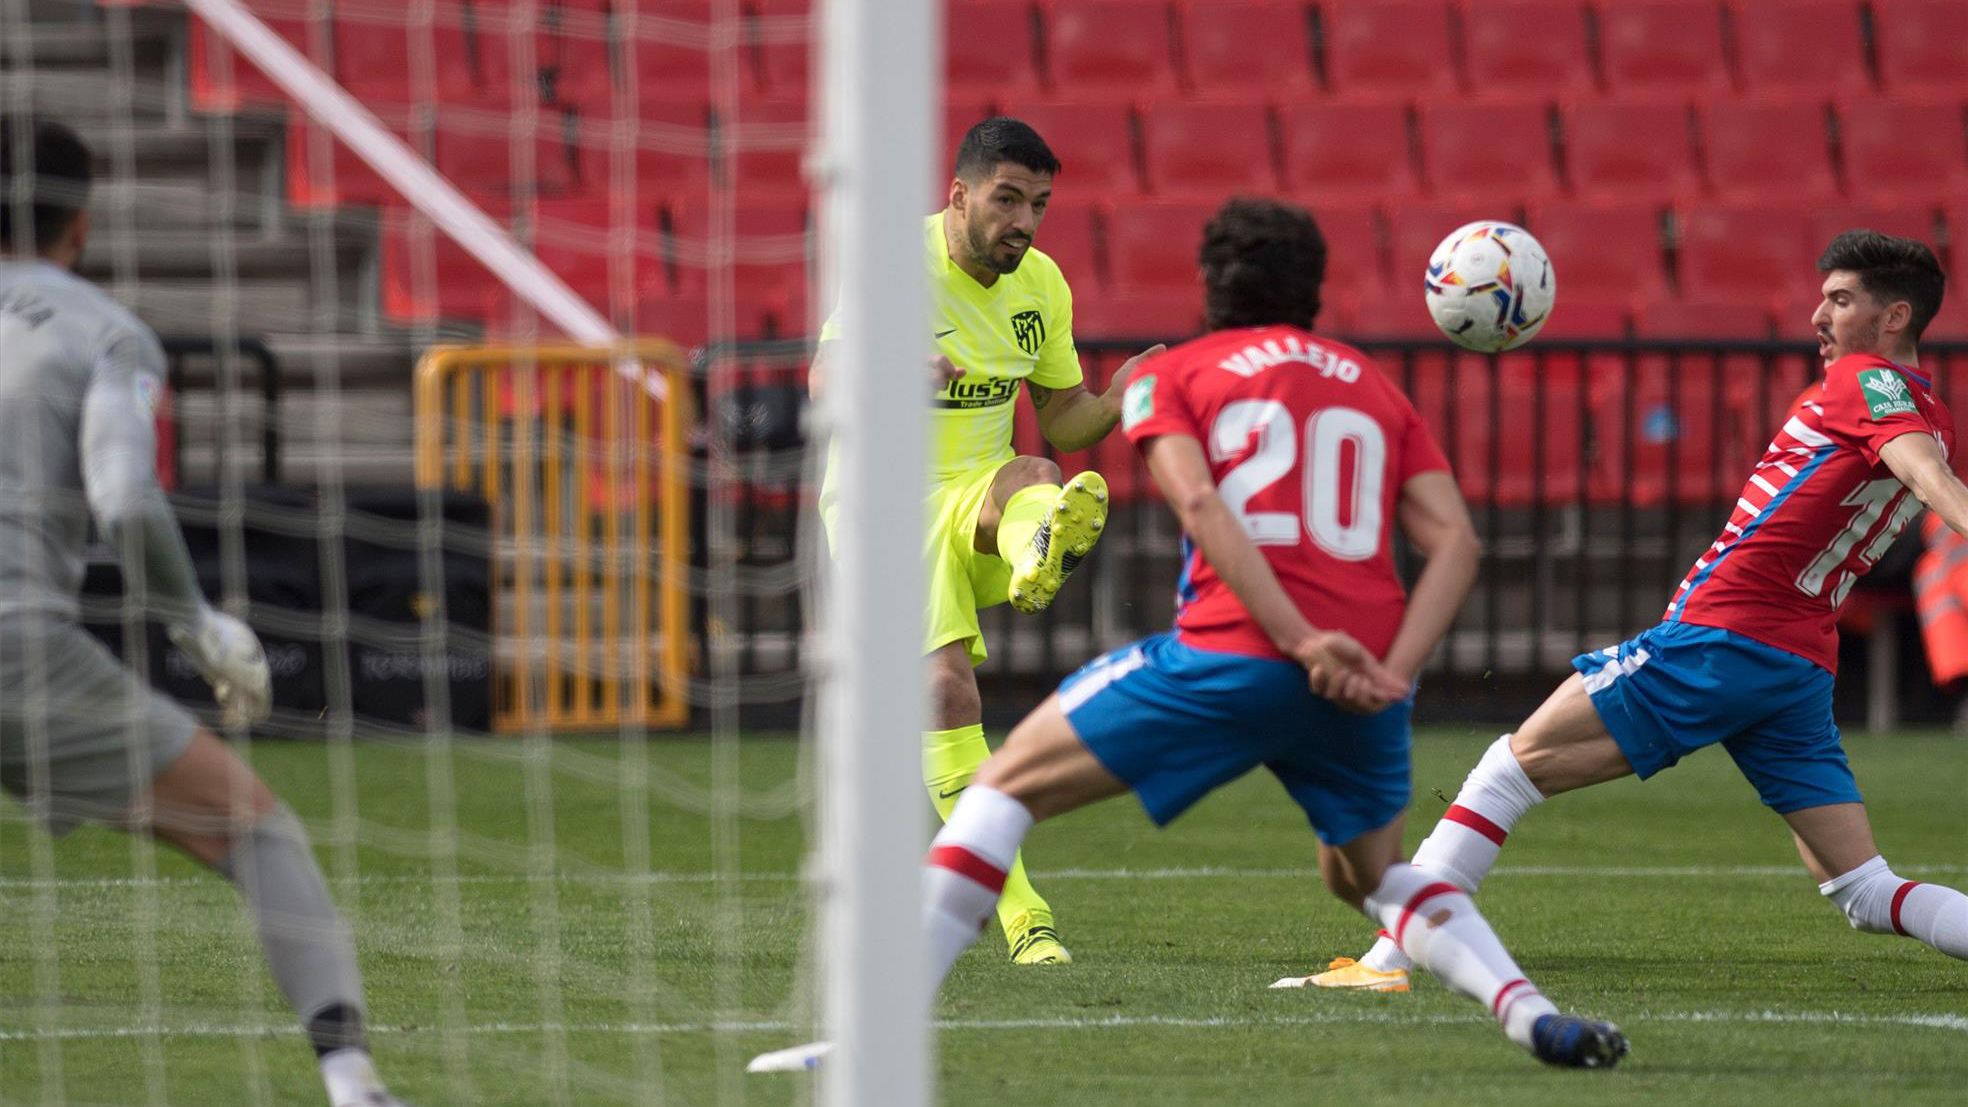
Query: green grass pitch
(1676, 908)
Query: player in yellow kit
(1000, 526)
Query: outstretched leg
(1836, 844)
(1562, 746)
(1437, 926)
(211, 806)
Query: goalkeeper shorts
(81, 736)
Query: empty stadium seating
(1923, 46)
(1115, 48)
(1800, 47)
(1208, 149)
(1518, 48)
(1764, 126)
(1347, 153)
(1768, 151)
(1223, 56)
(1667, 47)
(1396, 48)
(1630, 150)
(1898, 152)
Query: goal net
(487, 324)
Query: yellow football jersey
(1019, 328)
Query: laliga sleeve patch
(1138, 403)
(1886, 393)
(148, 392)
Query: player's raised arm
(1340, 668)
(1073, 418)
(1435, 520)
(119, 476)
(1916, 459)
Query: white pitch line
(1955, 1023)
(1607, 872)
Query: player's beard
(984, 251)
(1864, 340)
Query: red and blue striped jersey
(1819, 509)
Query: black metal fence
(1597, 472)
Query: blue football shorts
(1175, 722)
(1679, 687)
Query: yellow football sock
(1022, 515)
(950, 759)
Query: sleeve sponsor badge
(1138, 402)
(1886, 393)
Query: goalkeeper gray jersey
(80, 377)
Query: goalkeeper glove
(228, 655)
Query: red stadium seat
(990, 49)
(1208, 149)
(1800, 47)
(1576, 318)
(1601, 254)
(1152, 245)
(1744, 254)
(1524, 48)
(1353, 254)
(1911, 221)
(768, 141)
(1769, 151)
(1094, 143)
(1347, 153)
(1655, 422)
(220, 79)
(1630, 150)
(1951, 325)
(426, 276)
(1923, 46)
(1535, 390)
(669, 152)
(1167, 314)
(1392, 48)
(1666, 316)
(1110, 48)
(1671, 47)
(339, 177)
(771, 248)
(672, 62)
(483, 164)
(1898, 152)
(1488, 149)
(1243, 47)
(1069, 236)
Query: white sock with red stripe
(1438, 926)
(965, 872)
(1877, 901)
(1464, 845)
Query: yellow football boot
(1345, 972)
(1063, 540)
(1034, 941)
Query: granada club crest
(1029, 329)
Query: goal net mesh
(535, 614)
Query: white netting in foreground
(534, 631)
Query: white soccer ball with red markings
(1490, 286)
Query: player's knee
(1865, 895)
(1022, 472)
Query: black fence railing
(181, 354)
(1597, 472)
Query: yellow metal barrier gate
(585, 469)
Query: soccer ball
(1490, 286)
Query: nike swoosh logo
(950, 794)
(946, 334)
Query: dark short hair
(1002, 139)
(1263, 262)
(56, 175)
(1891, 269)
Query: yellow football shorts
(960, 578)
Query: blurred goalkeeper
(1000, 526)
(81, 737)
